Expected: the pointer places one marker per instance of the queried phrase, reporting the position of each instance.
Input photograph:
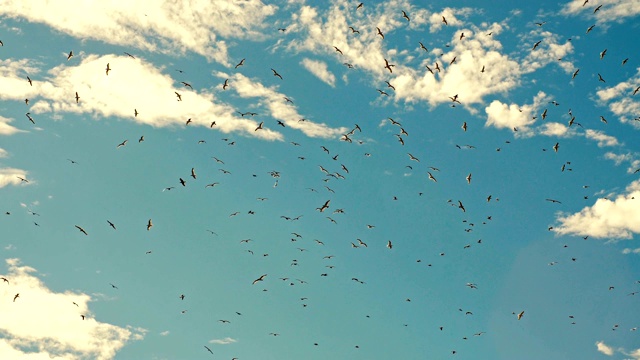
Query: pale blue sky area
(303, 180)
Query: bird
(259, 126)
(4, 279)
(275, 73)
(129, 55)
(389, 85)
(556, 146)
(520, 315)
(389, 244)
(575, 74)
(464, 126)
(411, 157)
(444, 20)
(431, 177)
(141, 139)
(388, 66)
(135, 112)
(187, 85)
(338, 50)
(261, 278)
(81, 230)
(178, 96)
(111, 224)
(77, 98)
(379, 32)
(324, 207)
(30, 118)
(29, 80)
(597, 8)
(404, 15)
(590, 28)
(553, 201)
(423, 47)
(70, 55)
(603, 53)
(149, 225)
(600, 78)
(193, 173)
(353, 31)
(209, 350)
(107, 69)
(225, 85)
(16, 296)
(468, 178)
(536, 45)
(240, 63)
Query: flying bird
(261, 278)
(16, 296)
(209, 350)
(70, 55)
(379, 32)
(404, 15)
(388, 66)
(81, 230)
(275, 73)
(186, 84)
(178, 96)
(149, 225)
(520, 315)
(240, 63)
(77, 98)
(107, 69)
(324, 207)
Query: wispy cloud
(5, 128)
(278, 107)
(49, 324)
(158, 25)
(632, 159)
(131, 85)
(319, 69)
(224, 341)
(621, 100)
(618, 218)
(610, 10)
(11, 176)
(602, 138)
(604, 348)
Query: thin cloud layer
(132, 85)
(157, 25)
(224, 341)
(11, 176)
(610, 10)
(319, 69)
(42, 324)
(618, 218)
(623, 99)
(280, 107)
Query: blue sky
(505, 182)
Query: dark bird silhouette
(107, 69)
(388, 66)
(149, 225)
(187, 85)
(178, 96)
(240, 63)
(81, 230)
(404, 15)
(324, 207)
(70, 55)
(379, 32)
(275, 73)
(16, 296)
(261, 278)
(111, 224)
(209, 350)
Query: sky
(320, 180)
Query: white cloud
(10, 176)
(554, 129)
(279, 108)
(131, 84)
(604, 348)
(617, 218)
(549, 51)
(501, 115)
(164, 333)
(42, 324)
(621, 101)
(602, 138)
(5, 128)
(3, 153)
(632, 159)
(224, 341)
(166, 26)
(611, 10)
(627, 251)
(319, 69)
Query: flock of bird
(326, 177)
